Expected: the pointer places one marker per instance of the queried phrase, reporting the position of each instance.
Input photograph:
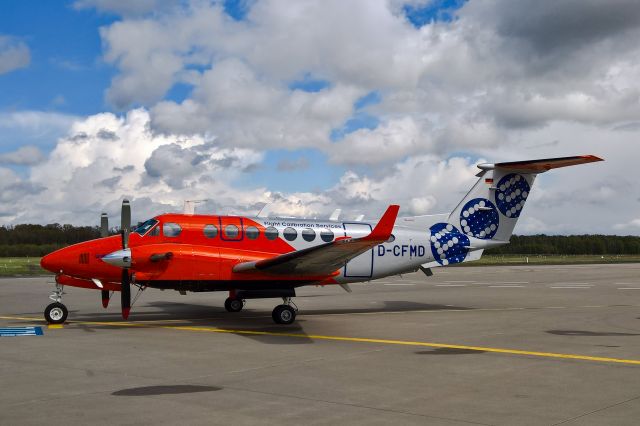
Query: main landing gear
(282, 314)
(285, 314)
(56, 312)
(233, 304)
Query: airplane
(264, 257)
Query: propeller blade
(125, 222)
(125, 294)
(104, 225)
(105, 298)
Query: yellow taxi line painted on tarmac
(359, 340)
(22, 318)
(412, 343)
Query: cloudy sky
(315, 105)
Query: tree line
(38, 240)
(570, 244)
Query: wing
(326, 258)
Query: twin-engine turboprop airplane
(259, 257)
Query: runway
(541, 345)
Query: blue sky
(66, 73)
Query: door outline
(346, 274)
(226, 222)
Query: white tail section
(487, 215)
(491, 209)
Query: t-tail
(487, 215)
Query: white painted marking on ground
(451, 285)
(506, 286)
(512, 282)
(399, 284)
(577, 284)
(629, 288)
(459, 281)
(567, 286)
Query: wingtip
(592, 158)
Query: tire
(56, 313)
(283, 314)
(233, 305)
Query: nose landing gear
(56, 312)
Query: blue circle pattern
(479, 218)
(511, 193)
(448, 244)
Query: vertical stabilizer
(487, 215)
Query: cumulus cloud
(87, 172)
(391, 141)
(14, 54)
(503, 81)
(33, 127)
(24, 156)
(630, 227)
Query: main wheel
(56, 313)
(283, 314)
(233, 305)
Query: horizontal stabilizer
(543, 165)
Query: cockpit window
(144, 227)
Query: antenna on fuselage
(190, 206)
(264, 211)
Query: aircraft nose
(52, 262)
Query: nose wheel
(285, 314)
(56, 313)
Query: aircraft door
(231, 228)
(360, 266)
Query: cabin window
(171, 229)
(271, 233)
(308, 234)
(210, 231)
(231, 232)
(327, 235)
(252, 232)
(155, 231)
(290, 234)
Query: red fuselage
(198, 260)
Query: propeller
(125, 223)
(104, 232)
(125, 226)
(104, 225)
